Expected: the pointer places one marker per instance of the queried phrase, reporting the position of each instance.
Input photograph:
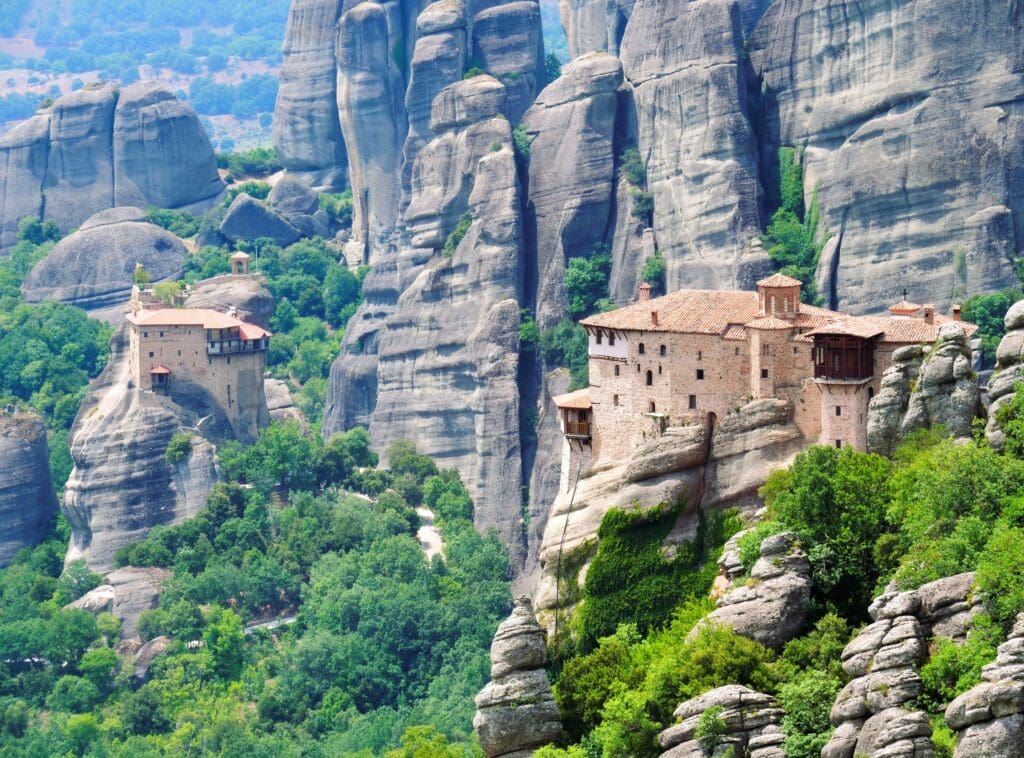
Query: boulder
(752, 723)
(248, 295)
(989, 718)
(126, 593)
(146, 655)
(516, 711)
(248, 219)
(94, 267)
(771, 606)
(28, 503)
(1009, 371)
(24, 153)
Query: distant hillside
(223, 56)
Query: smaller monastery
(189, 351)
(695, 355)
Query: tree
(82, 729)
(403, 459)
(586, 281)
(653, 273)
(140, 276)
(225, 639)
(987, 311)
(73, 694)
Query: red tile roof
(159, 369)
(578, 400)
(769, 323)
(853, 327)
(779, 280)
(204, 317)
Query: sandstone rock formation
(925, 388)
(280, 402)
(1009, 371)
(509, 44)
(752, 725)
(927, 89)
(126, 593)
(989, 718)
(248, 219)
(121, 485)
(300, 207)
(248, 295)
(723, 469)
(873, 714)
(685, 62)
(27, 500)
(516, 711)
(146, 655)
(771, 606)
(307, 133)
(572, 170)
(592, 25)
(94, 267)
(101, 147)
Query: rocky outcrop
(121, 485)
(101, 147)
(126, 593)
(593, 25)
(685, 62)
(751, 719)
(679, 464)
(248, 219)
(989, 718)
(146, 655)
(924, 388)
(300, 207)
(928, 89)
(94, 267)
(508, 43)
(572, 172)
(307, 132)
(516, 711)
(771, 605)
(280, 402)
(248, 295)
(1009, 371)
(873, 714)
(27, 500)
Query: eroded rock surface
(771, 605)
(752, 725)
(102, 147)
(27, 500)
(989, 718)
(126, 592)
(592, 25)
(516, 711)
(94, 267)
(248, 219)
(1009, 371)
(248, 295)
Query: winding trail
(428, 534)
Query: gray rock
(886, 87)
(24, 154)
(771, 606)
(593, 25)
(307, 131)
(146, 655)
(248, 295)
(94, 267)
(127, 592)
(162, 154)
(752, 724)
(27, 500)
(509, 43)
(896, 733)
(248, 219)
(572, 170)
(516, 711)
(1008, 373)
(291, 197)
(989, 718)
(702, 164)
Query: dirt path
(428, 535)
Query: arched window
(640, 349)
(616, 370)
(664, 350)
(871, 393)
(611, 338)
(652, 410)
(650, 378)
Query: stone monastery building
(189, 350)
(695, 355)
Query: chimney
(929, 314)
(654, 318)
(645, 291)
(957, 315)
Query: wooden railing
(577, 429)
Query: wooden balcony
(579, 430)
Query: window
(599, 337)
(700, 355)
(796, 351)
(638, 368)
(145, 334)
(765, 349)
(700, 375)
(611, 338)
(839, 444)
(652, 409)
(871, 393)
(693, 402)
(151, 355)
(737, 351)
(650, 378)
(640, 349)
(839, 410)
(663, 350)
(764, 373)
(616, 371)
(659, 369)
(615, 400)
(179, 353)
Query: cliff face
(931, 91)
(27, 499)
(102, 147)
(121, 485)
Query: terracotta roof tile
(204, 317)
(578, 400)
(779, 280)
(159, 369)
(851, 327)
(769, 323)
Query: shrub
(179, 448)
(521, 146)
(807, 701)
(458, 234)
(586, 281)
(750, 543)
(633, 167)
(653, 272)
(566, 345)
(338, 206)
(953, 669)
(643, 204)
(987, 311)
(1000, 574)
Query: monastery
(188, 350)
(695, 355)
